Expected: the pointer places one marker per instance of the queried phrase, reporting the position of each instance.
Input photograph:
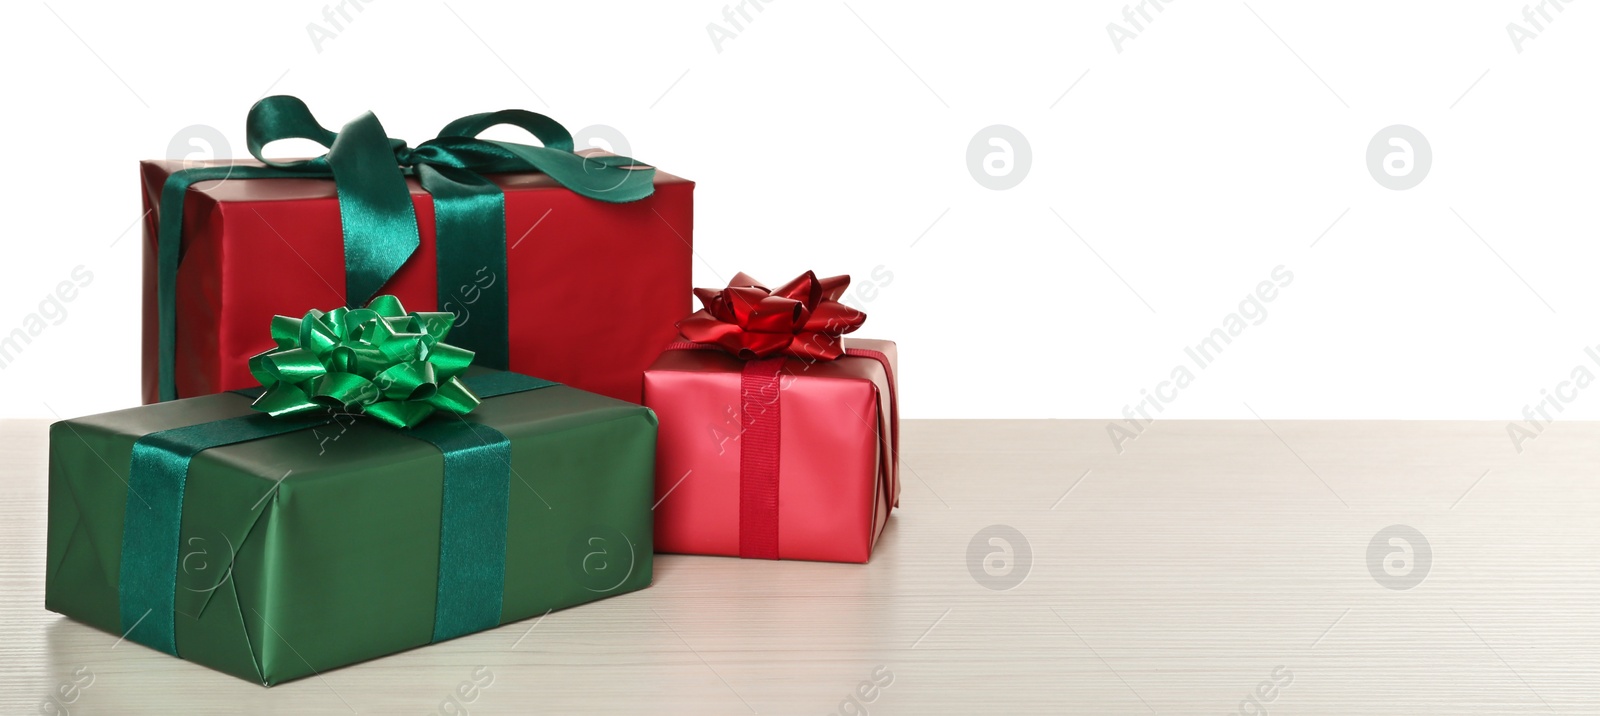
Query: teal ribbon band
(473, 519)
(148, 573)
(377, 215)
(472, 273)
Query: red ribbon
(763, 327)
(761, 420)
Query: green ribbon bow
(376, 212)
(381, 360)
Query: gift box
(788, 455)
(569, 266)
(275, 545)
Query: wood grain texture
(1174, 577)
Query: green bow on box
(380, 360)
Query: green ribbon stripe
(473, 517)
(472, 534)
(378, 218)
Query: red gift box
(828, 427)
(594, 288)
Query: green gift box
(341, 539)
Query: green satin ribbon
(473, 519)
(377, 215)
(380, 360)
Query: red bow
(802, 318)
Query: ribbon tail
(605, 178)
(375, 208)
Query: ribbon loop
(549, 132)
(283, 117)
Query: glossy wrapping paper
(837, 462)
(334, 533)
(595, 288)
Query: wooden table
(1211, 567)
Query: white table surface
(1173, 578)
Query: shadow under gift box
(334, 533)
(595, 288)
(837, 464)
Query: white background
(833, 136)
